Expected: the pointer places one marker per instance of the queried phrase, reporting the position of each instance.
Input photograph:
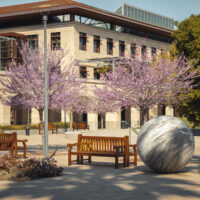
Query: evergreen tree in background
(187, 40)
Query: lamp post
(65, 123)
(45, 19)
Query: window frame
(32, 39)
(143, 50)
(83, 71)
(122, 48)
(96, 74)
(133, 50)
(97, 43)
(109, 46)
(57, 37)
(153, 51)
(82, 41)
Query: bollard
(27, 130)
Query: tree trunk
(144, 115)
(101, 121)
(70, 119)
(41, 114)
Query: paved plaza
(100, 180)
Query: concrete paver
(102, 181)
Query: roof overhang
(82, 10)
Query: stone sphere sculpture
(165, 144)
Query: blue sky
(176, 9)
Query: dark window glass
(96, 44)
(55, 41)
(83, 72)
(82, 41)
(10, 51)
(96, 74)
(121, 48)
(162, 51)
(32, 41)
(3, 52)
(109, 46)
(153, 51)
(133, 50)
(161, 109)
(143, 50)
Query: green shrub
(32, 126)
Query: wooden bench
(102, 146)
(9, 142)
(51, 127)
(79, 125)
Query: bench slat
(103, 146)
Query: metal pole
(113, 65)
(65, 125)
(0, 55)
(45, 18)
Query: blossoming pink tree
(145, 83)
(23, 84)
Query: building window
(133, 50)
(83, 72)
(143, 50)
(97, 44)
(161, 109)
(82, 41)
(153, 51)
(162, 51)
(109, 46)
(11, 50)
(121, 48)
(55, 41)
(32, 41)
(96, 74)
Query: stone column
(153, 112)
(135, 118)
(113, 120)
(92, 120)
(35, 116)
(5, 114)
(169, 111)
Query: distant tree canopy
(186, 39)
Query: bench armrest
(71, 145)
(22, 140)
(134, 147)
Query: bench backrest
(80, 125)
(8, 141)
(102, 144)
(50, 126)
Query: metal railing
(131, 130)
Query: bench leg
(127, 160)
(135, 159)
(24, 152)
(124, 161)
(116, 162)
(81, 159)
(78, 159)
(89, 159)
(69, 158)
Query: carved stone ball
(165, 144)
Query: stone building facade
(87, 32)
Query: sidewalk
(102, 181)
